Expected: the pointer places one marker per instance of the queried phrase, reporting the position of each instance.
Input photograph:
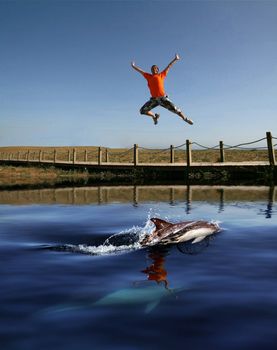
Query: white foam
(129, 238)
(106, 249)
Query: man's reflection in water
(156, 271)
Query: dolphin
(150, 296)
(169, 233)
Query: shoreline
(38, 176)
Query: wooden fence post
(40, 156)
(221, 148)
(135, 154)
(99, 155)
(188, 146)
(86, 155)
(271, 154)
(107, 155)
(68, 156)
(55, 156)
(74, 156)
(28, 155)
(171, 154)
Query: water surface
(60, 289)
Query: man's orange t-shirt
(156, 83)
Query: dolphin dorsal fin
(160, 224)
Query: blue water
(61, 289)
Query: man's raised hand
(137, 68)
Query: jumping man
(158, 96)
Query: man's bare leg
(166, 103)
(185, 118)
(155, 116)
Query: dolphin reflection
(143, 293)
(147, 297)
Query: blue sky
(66, 79)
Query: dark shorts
(159, 101)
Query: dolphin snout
(215, 226)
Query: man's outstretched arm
(137, 68)
(176, 58)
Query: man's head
(155, 69)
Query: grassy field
(20, 175)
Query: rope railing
(216, 147)
(154, 150)
(228, 147)
(245, 143)
(113, 156)
(205, 147)
(182, 145)
(121, 153)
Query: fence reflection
(137, 195)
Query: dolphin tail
(151, 306)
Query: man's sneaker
(157, 116)
(189, 121)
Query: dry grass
(20, 175)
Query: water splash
(120, 242)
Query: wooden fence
(102, 155)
